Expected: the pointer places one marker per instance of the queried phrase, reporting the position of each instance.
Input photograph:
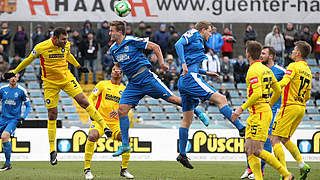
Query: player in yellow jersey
(297, 85)
(106, 95)
(260, 80)
(54, 55)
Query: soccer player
(127, 51)
(191, 85)
(106, 96)
(260, 80)
(267, 58)
(297, 86)
(54, 56)
(12, 96)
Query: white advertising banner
(150, 145)
(220, 11)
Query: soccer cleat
(246, 174)
(184, 160)
(53, 158)
(122, 149)
(290, 177)
(107, 132)
(242, 132)
(304, 172)
(88, 174)
(204, 119)
(251, 176)
(6, 167)
(125, 173)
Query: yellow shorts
(288, 120)
(258, 125)
(51, 91)
(114, 127)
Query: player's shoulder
(130, 38)
(22, 89)
(43, 45)
(279, 68)
(4, 87)
(112, 46)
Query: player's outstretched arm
(32, 56)
(290, 72)
(276, 93)
(72, 60)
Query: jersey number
(75, 84)
(303, 85)
(268, 86)
(254, 129)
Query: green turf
(142, 170)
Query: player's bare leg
(7, 150)
(93, 136)
(201, 115)
(124, 128)
(222, 103)
(52, 128)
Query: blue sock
(248, 166)
(7, 151)
(183, 139)
(197, 111)
(268, 147)
(227, 112)
(124, 128)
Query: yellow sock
(279, 153)
(52, 128)
(95, 115)
(294, 151)
(255, 165)
(272, 161)
(89, 149)
(125, 160)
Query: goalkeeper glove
(83, 69)
(20, 121)
(9, 75)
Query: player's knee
(5, 136)
(174, 100)
(52, 115)
(284, 140)
(257, 152)
(119, 137)
(123, 111)
(93, 135)
(274, 140)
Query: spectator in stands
(214, 43)
(87, 28)
(315, 87)
(226, 93)
(5, 57)
(161, 38)
(249, 34)
(20, 41)
(148, 34)
(89, 47)
(16, 61)
(171, 49)
(240, 69)
(103, 38)
(4, 67)
(139, 31)
(173, 77)
(276, 40)
(316, 44)
(107, 64)
(129, 30)
(74, 50)
(5, 37)
(228, 40)
(37, 36)
(290, 36)
(172, 30)
(225, 69)
(191, 26)
(170, 62)
(306, 35)
(211, 64)
(69, 31)
(49, 32)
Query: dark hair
(271, 49)
(304, 48)
(58, 31)
(254, 49)
(120, 26)
(202, 24)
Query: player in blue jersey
(267, 56)
(12, 96)
(192, 87)
(127, 52)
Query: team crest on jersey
(289, 72)
(92, 126)
(254, 80)
(16, 94)
(63, 50)
(48, 101)
(120, 92)
(126, 49)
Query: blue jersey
(12, 99)
(278, 72)
(129, 54)
(193, 50)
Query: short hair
(202, 24)
(120, 26)
(254, 49)
(271, 49)
(58, 31)
(304, 48)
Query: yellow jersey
(106, 97)
(260, 80)
(53, 60)
(297, 84)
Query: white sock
(301, 165)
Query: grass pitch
(143, 170)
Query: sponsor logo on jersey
(112, 98)
(10, 102)
(122, 57)
(54, 56)
(120, 92)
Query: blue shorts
(192, 88)
(8, 125)
(274, 112)
(146, 83)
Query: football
(122, 8)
